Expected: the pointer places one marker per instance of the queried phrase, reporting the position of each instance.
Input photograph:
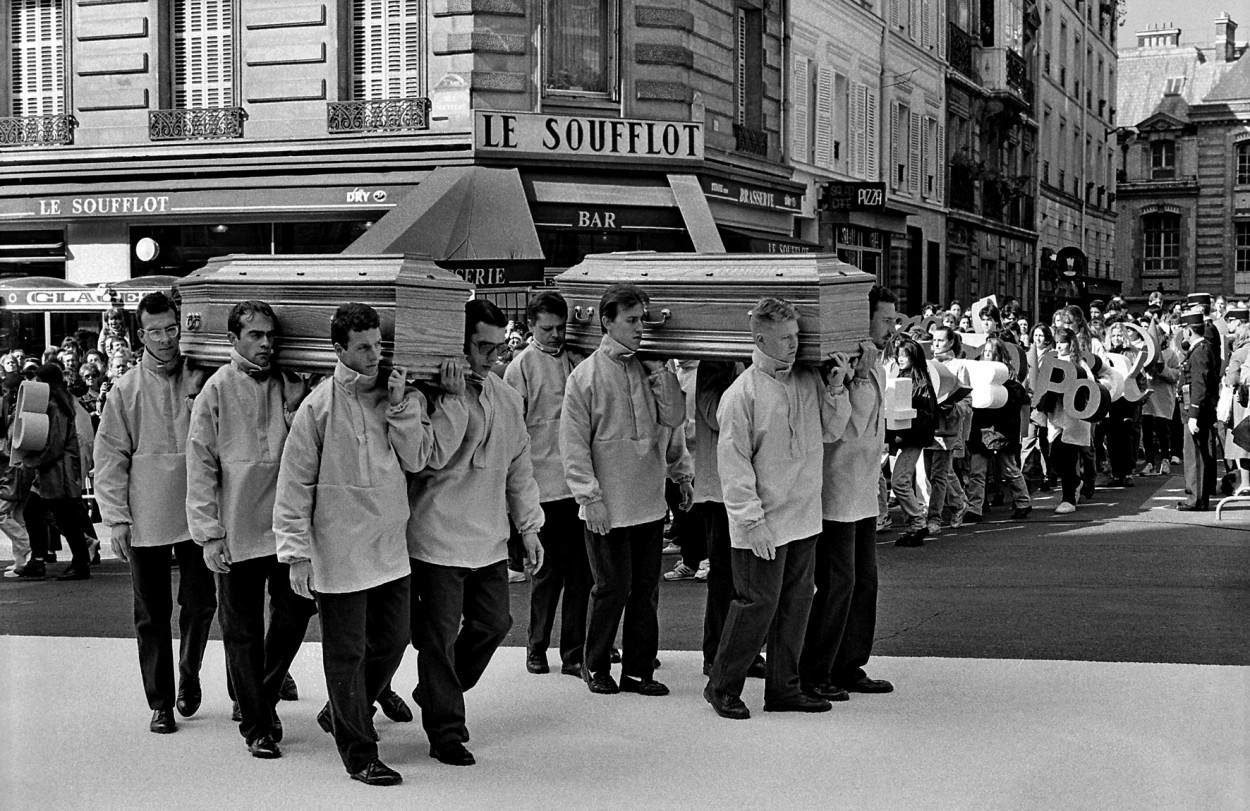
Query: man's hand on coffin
(451, 377)
(395, 385)
(839, 369)
(869, 356)
(651, 363)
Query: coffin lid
(648, 267)
(355, 269)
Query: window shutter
(941, 29)
(854, 150)
(871, 136)
(913, 15)
(913, 158)
(896, 149)
(925, 157)
(740, 115)
(386, 49)
(926, 25)
(203, 54)
(894, 13)
(800, 149)
(37, 35)
(940, 178)
(824, 117)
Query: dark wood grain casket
(420, 305)
(700, 303)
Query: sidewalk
(957, 733)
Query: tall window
(386, 49)
(203, 54)
(749, 68)
(580, 46)
(37, 39)
(1162, 160)
(1162, 232)
(1243, 163)
(1241, 241)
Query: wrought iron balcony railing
(961, 52)
(37, 130)
(750, 141)
(963, 189)
(378, 115)
(204, 123)
(1017, 71)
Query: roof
(1144, 74)
(1234, 85)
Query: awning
(749, 240)
(470, 219)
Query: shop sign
(746, 194)
(92, 299)
(558, 136)
(139, 207)
(605, 218)
(523, 273)
(853, 197)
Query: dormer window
(1174, 86)
(1162, 160)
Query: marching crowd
(386, 509)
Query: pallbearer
(339, 519)
(772, 419)
(539, 373)
(141, 487)
(458, 538)
(620, 434)
(238, 429)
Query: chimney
(1226, 37)
(1169, 37)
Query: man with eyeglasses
(141, 487)
(458, 539)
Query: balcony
(37, 130)
(201, 124)
(750, 141)
(963, 189)
(1007, 72)
(961, 51)
(378, 115)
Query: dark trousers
(1156, 438)
(720, 581)
(70, 516)
(565, 570)
(197, 599)
(694, 537)
(844, 613)
(626, 567)
(453, 654)
(685, 530)
(1067, 460)
(257, 661)
(1200, 472)
(772, 600)
(364, 635)
(1089, 467)
(1121, 433)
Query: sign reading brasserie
(747, 194)
(535, 134)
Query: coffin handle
(665, 314)
(586, 319)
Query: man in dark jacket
(1200, 382)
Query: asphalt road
(1125, 578)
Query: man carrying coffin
(772, 421)
(844, 612)
(1200, 387)
(238, 429)
(458, 539)
(620, 434)
(339, 518)
(141, 487)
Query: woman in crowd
(1121, 427)
(1159, 410)
(909, 443)
(1042, 341)
(995, 437)
(1069, 437)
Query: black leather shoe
(1192, 508)
(757, 670)
(236, 713)
(914, 538)
(866, 685)
(1020, 513)
(189, 696)
(163, 722)
(378, 773)
(536, 663)
(275, 727)
(571, 670)
(726, 706)
(800, 703)
(453, 754)
(643, 687)
(972, 518)
(325, 720)
(828, 692)
(394, 708)
(74, 573)
(264, 747)
(601, 683)
(289, 691)
(33, 570)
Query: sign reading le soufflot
(539, 135)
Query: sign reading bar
(853, 197)
(535, 134)
(747, 194)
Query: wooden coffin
(420, 305)
(700, 303)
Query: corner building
(139, 138)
